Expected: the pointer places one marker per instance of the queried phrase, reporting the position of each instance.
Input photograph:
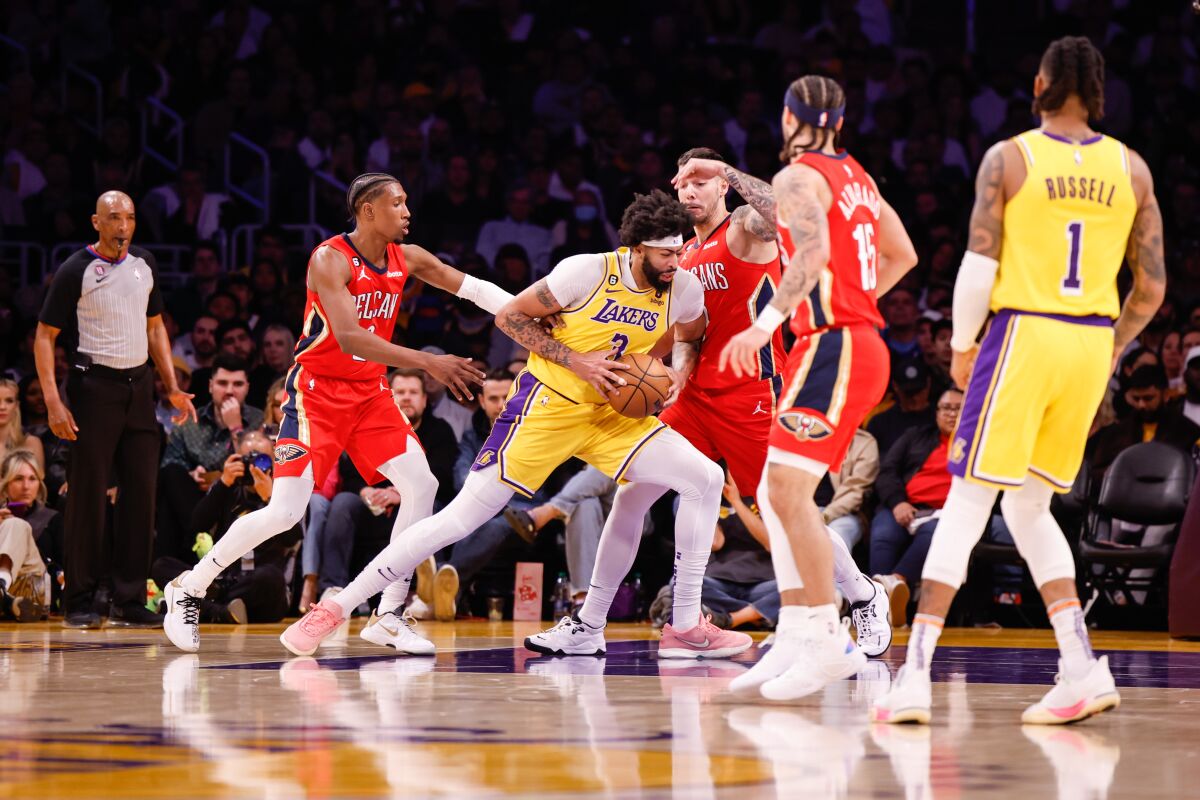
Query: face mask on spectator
(586, 213)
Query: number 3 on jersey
(868, 257)
(369, 330)
(619, 342)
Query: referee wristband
(769, 319)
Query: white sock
(594, 613)
(923, 640)
(1070, 630)
(825, 620)
(856, 587)
(689, 579)
(792, 620)
(395, 595)
(6, 577)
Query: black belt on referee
(128, 375)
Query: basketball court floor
(119, 714)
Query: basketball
(646, 389)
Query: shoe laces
(191, 609)
(864, 618)
(314, 620)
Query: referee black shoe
(133, 616)
(82, 619)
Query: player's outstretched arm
(519, 318)
(1145, 256)
(328, 276)
(431, 269)
(896, 252)
(803, 200)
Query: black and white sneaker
(873, 622)
(570, 637)
(182, 622)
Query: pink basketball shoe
(703, 641)
(303, 635)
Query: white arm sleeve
(574, 278)
(972, 296)
(485, 294)
(689, 298)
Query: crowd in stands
(520, 129)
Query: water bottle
(561, 598)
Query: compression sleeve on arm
(972, 296)
(485, 294)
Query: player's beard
(655, 278)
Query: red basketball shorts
(732, 425)
(323, 416)
(834, 377)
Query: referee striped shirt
(107, 303)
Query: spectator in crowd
(900, 312)
(913, 484)
(27, 528)
(911, 389)
(273, 409)
(277, 346)
(1149, 419)
(441, 405)
(1191, 385)
(516, 228)
(234, 338)
(842, 496)
(587, 231)
(111, 422)
(184, 210)
(1170, 355)
(196, 452)
(188, 301)
(255, 589)
(12, 435)
(453, 215)
(198, 347)
(33, 409)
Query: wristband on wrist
(770, 319)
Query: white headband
(666, 241)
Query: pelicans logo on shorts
(805, 427)
(289, 452)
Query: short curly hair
(653, 216)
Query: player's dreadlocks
(1073, 66)
(365, 188)
(819, 103)
(653, 216)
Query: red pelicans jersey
(845, 293)
(735, 293)
(376, 293)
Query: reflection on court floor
(122, 714)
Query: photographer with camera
(255, 589)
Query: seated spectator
(442, 405)
(588, 231)
(739, 582)
(913, 484)
(234, 338)
(187, 302)
(196, 452)
(940, 333)
(1191, 385)
(911, 389)
(1170, 355)
(273, 408)
(184, 211)
(516, 228)
(12, 435)
(199, 347)
(583, 504)
(847, 490)
(30, 536)
(1149, 419)
(276, 347)
(255, 588)
(900, 312)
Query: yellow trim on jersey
(302, 430)
(315, 312)
(825, 283)
(841, 386)
(801, 375)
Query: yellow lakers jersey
(613, 315)
(1066, 228)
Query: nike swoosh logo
(610, 291)
(695, 644)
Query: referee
(108, 294)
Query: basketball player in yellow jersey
(610, 304)
(1057, 209)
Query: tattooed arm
(803, 199)
(757, 218)
(519, 318)
(1145, 256)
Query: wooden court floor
(119, 714)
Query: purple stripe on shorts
(509, 417)
(1097, 320)
(991, 355)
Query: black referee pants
(118, 438)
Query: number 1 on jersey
(1072, 284)
(868, 258)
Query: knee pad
(1039, 539)
(964, 518)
